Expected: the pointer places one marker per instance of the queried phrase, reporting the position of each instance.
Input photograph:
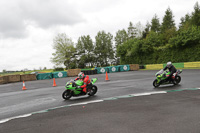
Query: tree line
(156, 42)
(85, 53)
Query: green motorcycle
(73, 90)
(161, 78)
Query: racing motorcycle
(161, 78)
(73, 90)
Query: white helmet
(169, 64)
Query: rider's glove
(78, 86)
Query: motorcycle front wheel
(177, 80)
(92, 91)
(155, 84)
(67, 94)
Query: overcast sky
(27, 27)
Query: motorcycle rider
(85, 79)
(171, 69)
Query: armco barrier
(59, 74)
(89, 72)
(177, 65)
(14, 78)
(3, 79)
(73, 72)
(85, 72)
(124, 68)
(42, 76)
(134, 67)
(94, 71)
(28, 77)
(192, 65)
(154, 66)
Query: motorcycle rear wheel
(67, 94)
(92, 91)
(155, 84)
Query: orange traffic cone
(24, 87)
(107, 77)
(54, 82)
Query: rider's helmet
(169, 64)
(81, 75)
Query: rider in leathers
(85, 79)
(171, 69)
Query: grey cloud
(12, 28)
(96, 5)
(44, 13)
(50, 12)
(11, 21)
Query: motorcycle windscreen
(94, 80)
(160, 72)
(179, 71)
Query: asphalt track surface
(123, 104)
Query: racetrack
(115, 108)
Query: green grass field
(27, 72)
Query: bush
(182, 47)
(58, 69)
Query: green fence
(123, 68)
(101, 70)
(113, 69)
(59, 74)
(42, 76)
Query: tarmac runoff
(95, 101)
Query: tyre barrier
(85, 72)
(89, 72)
(141, 67)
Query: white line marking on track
(83, 103)
(20, 116)
(148, 93)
